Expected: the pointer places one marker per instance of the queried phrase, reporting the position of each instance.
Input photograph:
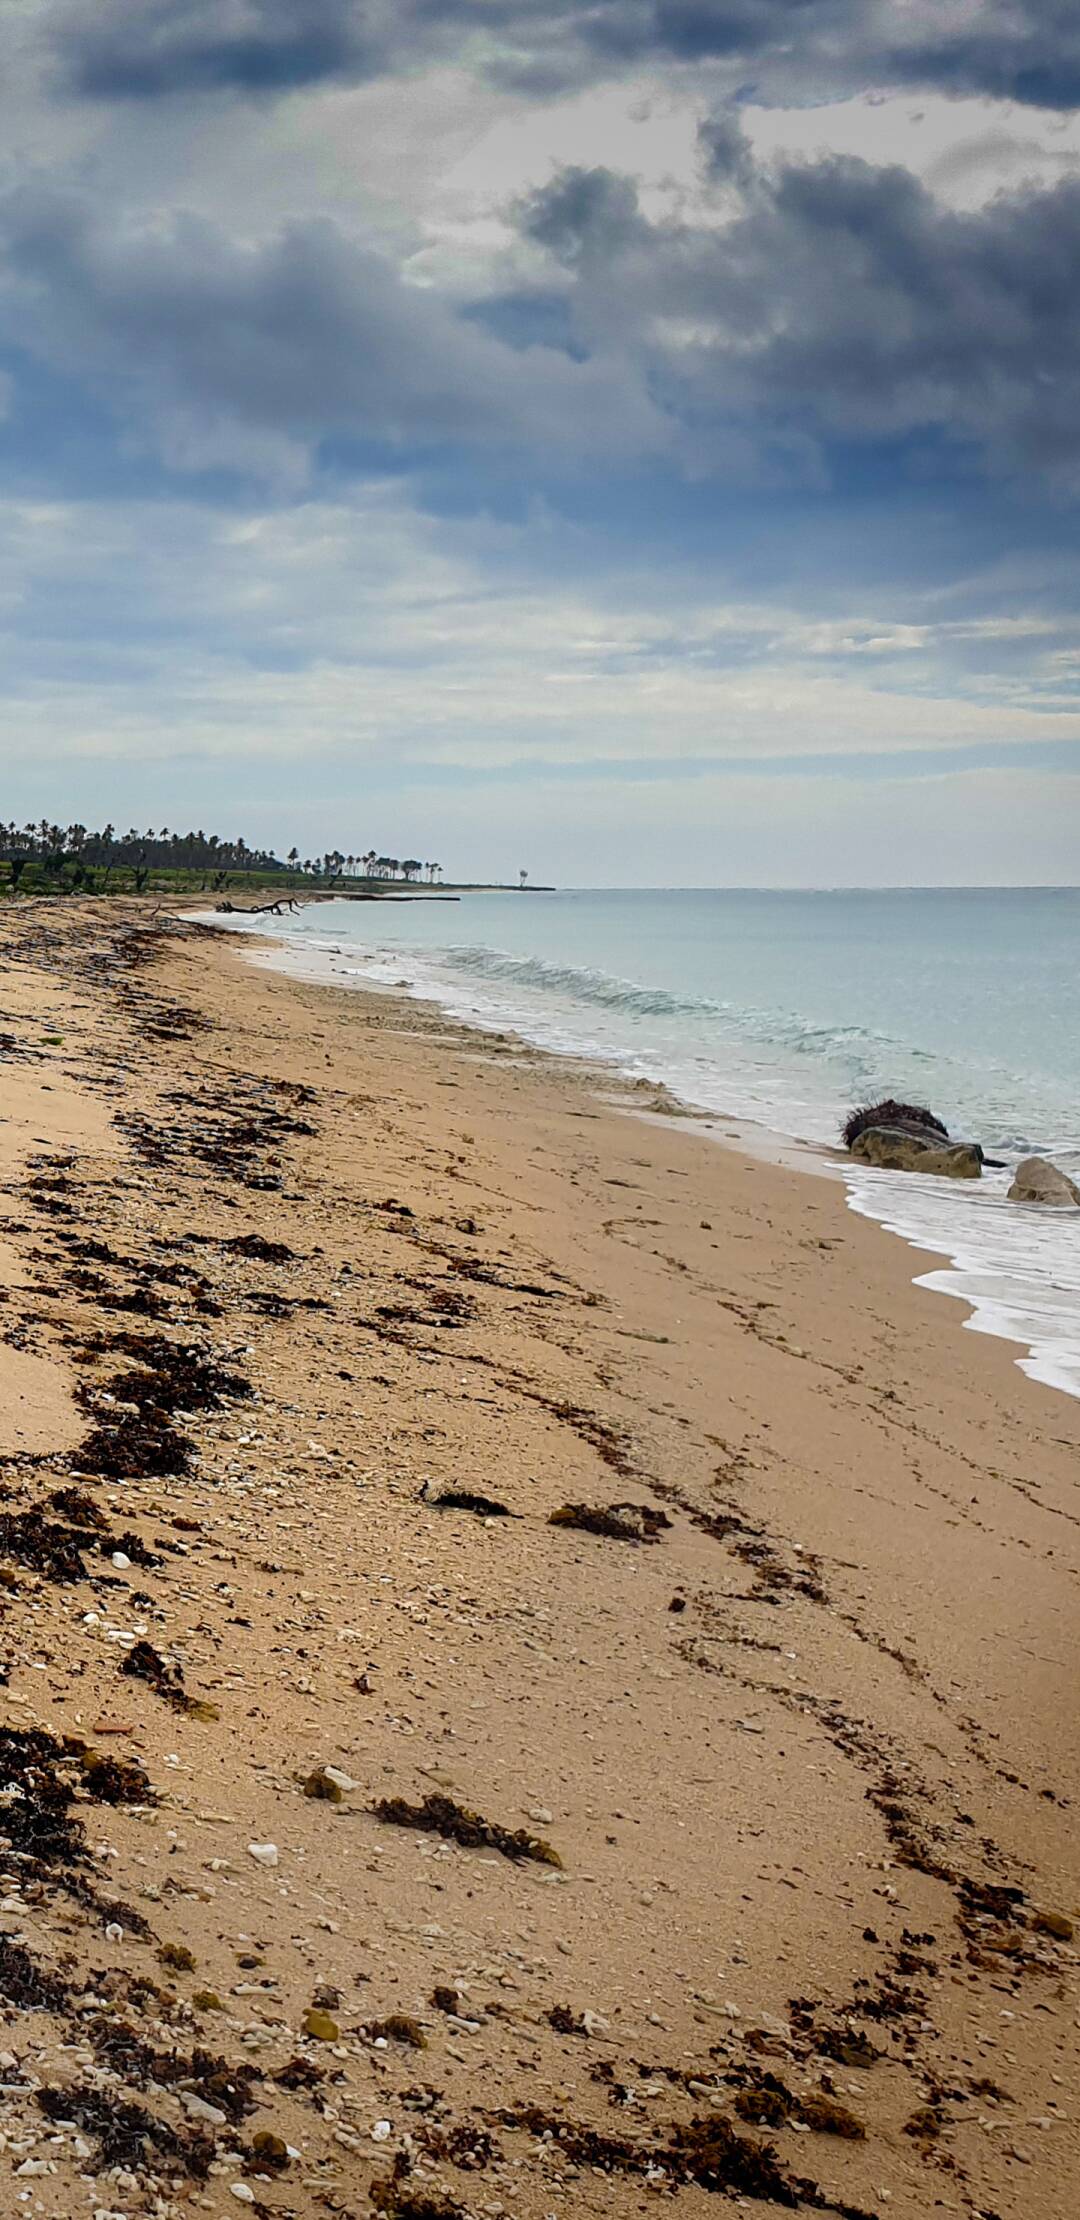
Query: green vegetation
(70, 859)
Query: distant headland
(46, 859)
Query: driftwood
(260, 909)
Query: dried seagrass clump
(439, 1815)
(463, 1499)
(890, 1113)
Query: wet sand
(282, 1264)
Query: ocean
(785, 1009)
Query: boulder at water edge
(1039, 1182)
(891, 1150)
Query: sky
(633, 440)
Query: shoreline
(807, 1753)
(999, 1301)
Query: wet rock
(1037, 1181)
(890, 1150)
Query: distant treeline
(72, 857)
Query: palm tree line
(81, 857)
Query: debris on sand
(55, 1550)
(127, 2134)
(772, 2103)
(329, 1785)
(26, 1984)
(260, 1251)
(271, 2150)
(78, 1505)
(398, 2202)
(34, 1820)
(144, 1662)
(705, 2151)
(462, 1499)
(439, 1815)
(113, 1780)
(1053, 1923)
(398, 2027)
(618, 1522)
(43, 1545)
(177, 1957)
(567, 2022)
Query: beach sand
(282, 1263)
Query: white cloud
(367, 634)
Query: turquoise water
(787, 1009)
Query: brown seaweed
(439, 1815)
(462, 1499)
(127, 2134)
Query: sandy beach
(688, 1813)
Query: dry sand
(807, 1755)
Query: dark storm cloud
(833, 306)
(585, 215)
(128, 49)
(306, 337)
(1026, 50)
(842, 302)
(725, 149)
